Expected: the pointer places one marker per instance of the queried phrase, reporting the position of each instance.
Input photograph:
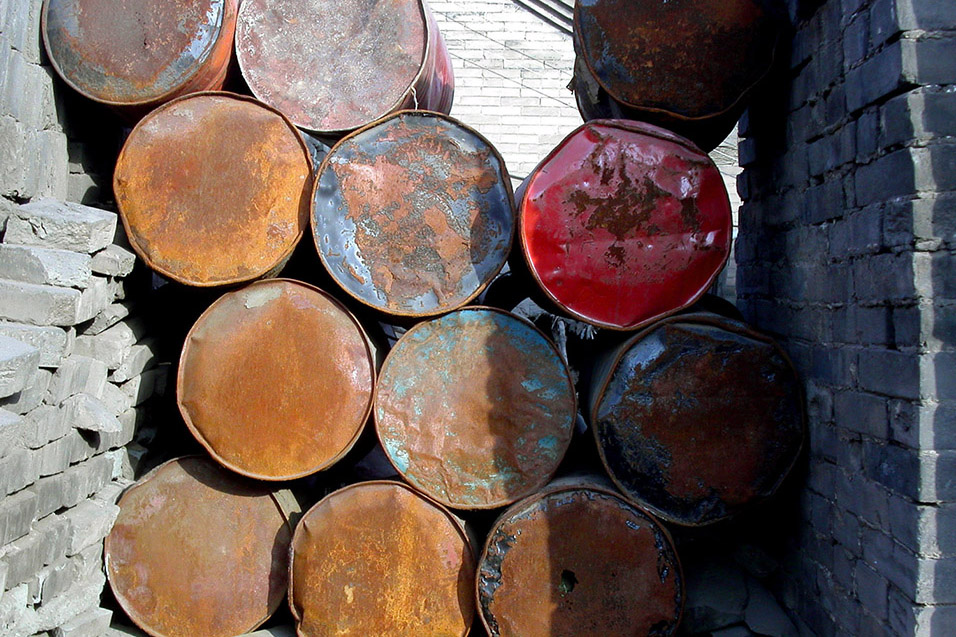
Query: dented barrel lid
(475, 408)
(697, 417)
(198, 550)
(213, 189)
(413, 215)
(378, 558)
(624, 223)
(276, 380)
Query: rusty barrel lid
(276, 380)
(577, 559)
(139, 52)
(475, 409)
(197, 550)
(333, 67)
(624, 223)
(413, 215)
(697, 417)
(213, 189)
(378, 558)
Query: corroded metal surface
(213, 188)
(578, 560)
(697, 417)
(197, 550)
(475, 409)
(276, 380)
(413, 215)
(334, 67)
(377, 558)
(139, 52)
(624, 223)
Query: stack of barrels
(666, 414)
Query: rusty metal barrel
(697, 417)
(333, 67)
(475, 409)
(378, 558)
(687, 65)
(413, 215)
(276, 380)
(198, 550)
(139, 53)
(213, 189)
(576, 559)
(624, 223)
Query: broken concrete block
(113, 261)
(18, 365)
(56, 224)
(95, 298)
(85, 412)
(111, 345)
(109, 317)
(43, 424)
(48, 266)
(31, 397)
(53, 342)
(141, 357)
(91, 623)
(78, 375)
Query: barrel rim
(505, 180)
(197, 434)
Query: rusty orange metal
(576, 559)
(335, 67)
(378, 558)
(413, 215)
(198, 550)
(213, 189)
(475, 409)
(698, 417)
(276, 380)
(139, 53)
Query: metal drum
(624, 223)
(687, 65)
(333, 67)
(139, 53)
(697, 417)
(276, 380)
(578, 560)
(475, 409)
(197, 550)
(413, 215)
(213, 189)
(377, 558)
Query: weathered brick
(140, 358)
(863, 413)
(45, 543)
(54, 343)
(47, 266)
(11, 431)
(87, 413)
(18, 469)
(32, 396)
(112, 346)
(143, 387)
(38, 304)
(872, 590)
(115, 399)
(78, 375)
(90, 623)
(95, 298)
(41, 426)
(66, 226)
(877, 77)
(18, 365)
(890, 373)
(17, 513)
(13, 606)
(90, 522)
(74, 485)
(109, 317)
(113, 261)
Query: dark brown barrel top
(475, 409)
(578, 561)
(377, 558)
(197, 550)
(213, 188)
(698, 417)
(413, 215)
(276, 380)
(126, 52)
(331, 66)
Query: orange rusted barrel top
(697, 417)
(475, 408)
(577, 559)
(213, 189)
(139, 52)
(198, 550)
(413, 215)
(378, 558)
(333, 67)
(276, 380)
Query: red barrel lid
(624, 223)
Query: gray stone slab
(53, 342)
(48, 266)
(112, 345)
(18, 365)
(114, 261)
(31, 397)
(78, 375)
(90, 414)
(66, 226)
(38, 304)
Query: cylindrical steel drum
(213, 189)
(578, 560)
(197, 550)
(687, 65)
(378, 558)
(276, 380)
(333, 67)
(475, 408)
(696, 417)
(413, 215)
(139, 53)
(624, 223)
